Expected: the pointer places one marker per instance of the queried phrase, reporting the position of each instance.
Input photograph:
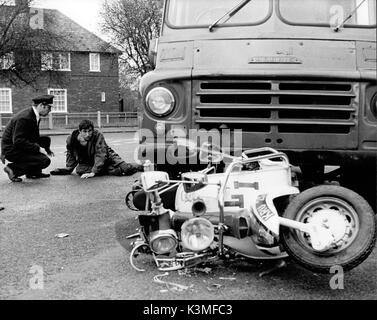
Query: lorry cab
(295, 75)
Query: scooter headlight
(163, 241)
(197, 234)
(160, 101)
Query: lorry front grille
(276, 106)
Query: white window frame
(48, 61)
(51, 91)
(92, 65)
(10, 100)
(6, 61)
(60, 61)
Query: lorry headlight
(160, 101)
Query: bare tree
(131, 24)
(23, 37)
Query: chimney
(22, 9)
(22, 3)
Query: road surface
(92, 263)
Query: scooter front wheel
(346, 214)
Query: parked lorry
(295, 75)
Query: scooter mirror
(198, 180)
(150, 180)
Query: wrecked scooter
(254, 210)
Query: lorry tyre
(351, 216)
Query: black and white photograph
(188, 155)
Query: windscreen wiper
(230, 13)
(336, 29)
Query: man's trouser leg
(114, 171)
(124, 169)
(28, 163)
(116, 166)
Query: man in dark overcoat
(21, 144)
(88, 152)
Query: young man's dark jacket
(21, 135)
(99, 153)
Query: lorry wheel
(346, 213)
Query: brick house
(86, 72)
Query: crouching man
(88, 152)
(22, 145)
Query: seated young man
(88, 152)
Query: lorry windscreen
(202, 13)
(328, 12)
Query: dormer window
(94, 62)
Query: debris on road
(184, 272)
(206, 270)
(214, 286)
(189, 271)
(61, 235)
(227, 278)
(175, 287)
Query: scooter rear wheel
(355, 236)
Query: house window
(65, 61)
(47, 61)
(59, 61)
(94, 62)
(60, 100)
(7, 61)
(5, 100)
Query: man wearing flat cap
(21, 144)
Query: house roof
(69, 34)
(80, 39)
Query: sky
(84, 12)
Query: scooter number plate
(263, 210)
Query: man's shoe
(12, 177)
(61, 171)
(37, 175)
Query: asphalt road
(92, 263)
